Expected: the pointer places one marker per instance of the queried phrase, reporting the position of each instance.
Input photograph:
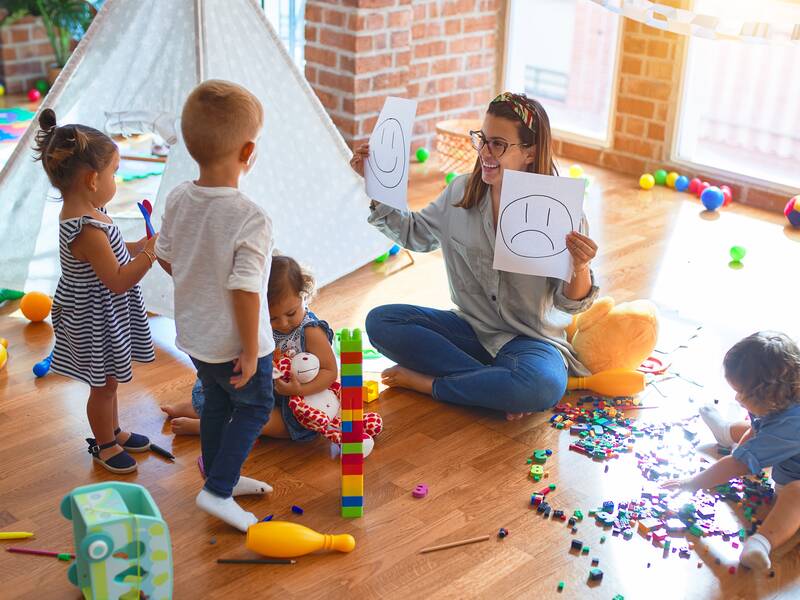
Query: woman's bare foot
(398, 376)
(517, 416)
(185, 426)
(181, 409)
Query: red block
(352, 358)
(353, 469)
(352, 459)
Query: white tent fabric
(145, 56)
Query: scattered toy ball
(737, 253)
(34, 95)
(576, 171)
(682, 183)
(42, 86)
(728, 195)
(660, 177)
(712, 198)
(35, 306)
(695, 185)
(647, 181)
(420, 491)
(672, 179)
(502, 533)
(792, 211)
(297, 510)
(448, 179)
(422, 154)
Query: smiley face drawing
(387, 153)
(535, 226)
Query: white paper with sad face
(386, 171)
(536, 214)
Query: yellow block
(352, 485)
(358, 414)
(347, 415)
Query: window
(564, 54)
(288, 19)
(740, 111)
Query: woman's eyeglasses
(496, 147)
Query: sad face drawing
(387, 156)
(535, 226)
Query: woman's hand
(288, 388)
(582, 248)
(359, 159)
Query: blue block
(352, 500)
(356, 381)
(347, 426)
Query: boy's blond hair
(218, 118)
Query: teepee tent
(143, 57)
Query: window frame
(599, 143)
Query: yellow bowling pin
(614, 382)
(282, 539)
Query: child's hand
(246, 365)
(288, 388)
(680, 485)
(359, 158)
(139, 245)
(150, 245)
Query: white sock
(718, 426)
(755, 553)
(225, 509)
(246, 486)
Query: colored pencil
(58, 555)
(482, 538)
(15, 535)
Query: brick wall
(443, 53)
(25, 54)
(650, 69)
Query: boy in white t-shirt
(217, 245)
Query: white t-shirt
(217, 240)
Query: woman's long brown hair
(542, 139)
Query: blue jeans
(526, 375)
(232, 420)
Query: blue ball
(682, 183)
(712, 198)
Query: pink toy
(320, 412)
(727, 193)
(792, 211)
(34, 95)
(420, 491)
(703, 187)
(694, 186)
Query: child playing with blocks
(764, 371)
(217, 244)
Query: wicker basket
(453, 147)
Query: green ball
(423, 154)
(449, 178)
(737, 253)
(42, 86)
(661, 177)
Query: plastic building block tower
(122, 544)
(353, 392)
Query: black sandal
(119, 463)
(135, 443)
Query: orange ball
(35, 306)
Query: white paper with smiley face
(386, 171)
(536, 214)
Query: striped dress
(97, 332)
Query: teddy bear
(616, 338)
(320, 412)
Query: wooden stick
(153, 159)
(256, 561)
(481, 538)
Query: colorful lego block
(352, 512)
(347, 414)
(355, 469)
(353, 448)
(347, 427)
(352, 485)
(371, 391)
(350, 358)
(353, 381)
(351, 369)
(352, 459)
(352, 501)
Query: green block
(552, 486)
(353, 448)
(350, 341)
(578, 515)
(352, 369)
(585, 550)
(603, 539)
(352, 512)
(560, 585)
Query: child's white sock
(755, 553)
(246, 486)
(718, 425)
(225, 509)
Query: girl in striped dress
(99, 318)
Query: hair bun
(47, 119)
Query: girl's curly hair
(287, 276)
(765, 366)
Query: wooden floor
(652, 244)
